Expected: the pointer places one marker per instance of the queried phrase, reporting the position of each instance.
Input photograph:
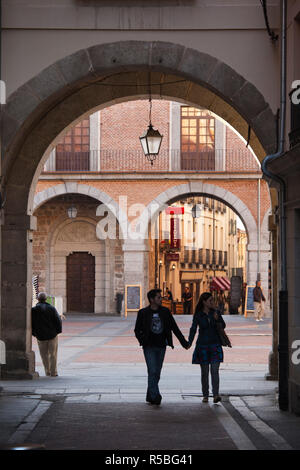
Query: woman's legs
(215, 380)
(204, 379)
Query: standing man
(187, 301)
(153, 329)
(169, 294)
(258, 298)
(46, 325)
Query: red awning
(226, 282)
(216, 284)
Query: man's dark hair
(152, 293)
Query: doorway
(80, 282)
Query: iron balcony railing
(108, 160)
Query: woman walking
(208, 350)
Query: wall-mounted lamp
(72, 212)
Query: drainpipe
(283, 293)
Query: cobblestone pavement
(98, 400)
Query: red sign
(175, 210)
(175, 233)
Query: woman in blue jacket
(208, 350)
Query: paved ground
(98, 400)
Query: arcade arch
(40, 110)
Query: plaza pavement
(98, 400)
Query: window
(197, 139)
(72, 153)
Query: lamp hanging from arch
(151, 139)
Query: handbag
(225, 341)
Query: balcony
(126, 160)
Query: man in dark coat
(258, 298)
(153, 329)
(46, 325)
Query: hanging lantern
(151, 142)
(151, 139)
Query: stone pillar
(136, 265)
(252, 269)
(50, 164)
(16, 290)
(174, 143)
(220, 145)
(95, 141)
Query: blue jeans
(154, 357)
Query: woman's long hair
(203, 298)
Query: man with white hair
(46, 325)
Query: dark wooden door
(80, 282)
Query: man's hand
(62, 316)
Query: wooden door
(80, 282)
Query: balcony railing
(108, 160)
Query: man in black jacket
(153, 329)
(46, 325)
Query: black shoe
(157, 400)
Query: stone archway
(39, 111)
(76, 188)
(176, 192)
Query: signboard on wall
(249, 300)
(133, 298)
(175, 233)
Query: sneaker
(217, 399)
(205, 400)
(257, 319)
(261, 319)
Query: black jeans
(187, 308)
(154, 357)
(214, 371)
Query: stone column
(50, 164)
(252, 269)
(95, 141)
(17, 296)
(220, 145)
(174, 143)
(136, 265)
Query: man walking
(46, 325)
(187, 301)
(153, 329)
(258, 298)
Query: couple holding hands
(154, 327)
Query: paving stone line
(26, 427)
(232, 428)
(277, 441)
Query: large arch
(40, 110)
(84, 189)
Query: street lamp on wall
(196, 211)
(72, 212)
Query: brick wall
(121, 127)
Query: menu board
(249, 301)
(133, 298)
